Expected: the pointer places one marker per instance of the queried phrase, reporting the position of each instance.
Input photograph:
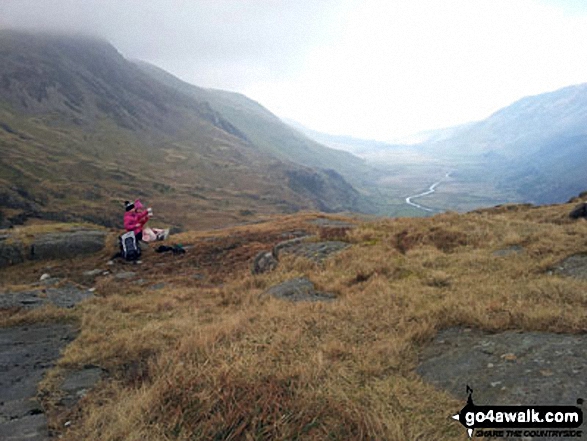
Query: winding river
(426, 193)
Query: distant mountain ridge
(81, 128)
(534, 150)
(536, 147)
(526, 123)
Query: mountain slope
(525, 125)
(268, 132)
(82, 128)
(537, 147)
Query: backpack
(129, 247)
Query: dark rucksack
(129, 247)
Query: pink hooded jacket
(134, 221)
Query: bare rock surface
(263, 263)
(509, 251)
(316, 251)
(508, 368)
(125, 275)
(330, 223)
(66, 296)
(67, 244)
(580, 211)
(10, 253)
(77, 383)
(298, 290)
(26, 353)
(573, 266)
(61, 245)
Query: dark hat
(128, 205)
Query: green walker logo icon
(510, 419)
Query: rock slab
(64, 297)
(26, 352)
(331, 223)
(573, 266)
(580, 211)
(64, 245)
(10, 253)
(509, 368)
(298, 290)
(508, 251)
(78, 383)
(316, 251)
(67, 245)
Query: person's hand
(150, 211)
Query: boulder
(287, 244)
(572, 266)
(331, 223)
(263, 263)
(316, 251)
(125, 275)
(298, 290)
(580, 211)
(67, 244)
(508, 251)
(10, 253)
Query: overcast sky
(375, 69)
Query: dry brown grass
(215, 360)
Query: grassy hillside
(209, 357)
(269, 133)
(82, 129)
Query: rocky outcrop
(508, 367)
(267, 261)
(67, 245)
(77, 383)
(509, 251)
(60, 245)
(316, 251)
(26, 353)
(66, 296)
(298, 290)
(580, 211)
(572, 266)
(263, 263)
(10, 252)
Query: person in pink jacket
(135, 218)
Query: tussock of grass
(219, 361)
